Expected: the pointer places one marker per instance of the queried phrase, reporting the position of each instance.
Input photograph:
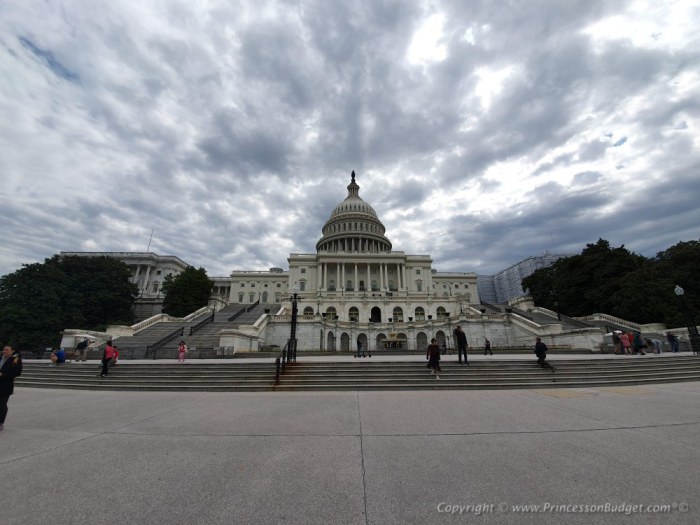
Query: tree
(187, 292)
(40, 300)
(620, 283)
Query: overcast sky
(480, 132)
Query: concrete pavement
(351, 457)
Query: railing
(280, 362)
(256, 303)
(575, 322)
(203, 322)
(164, 341)
(237, 314)
(488, 305)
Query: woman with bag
(106, 358)
(433, 357)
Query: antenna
(149, 242)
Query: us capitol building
(356, 288)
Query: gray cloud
(231, 134)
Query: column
(357, 283)
(319, 276)
(145, 282)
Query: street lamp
(689, 323)
(292, 346)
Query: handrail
(237, 314)
(165, 340)
(489, 305)
(256, 303)
(200, 324)
(280, 362)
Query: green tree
(40, 300)
(187, 292)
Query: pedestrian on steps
(433, 357)
(181, 351)
(106, 358)
(541, 353)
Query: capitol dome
(353, 227)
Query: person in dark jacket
(433, 357)
(10, 367)
(461, 341)
(541, 353)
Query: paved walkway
(70, 457)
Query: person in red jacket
(106, 358)
(10, 367)
(433, 357)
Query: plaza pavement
(72, 457)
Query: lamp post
(689, 323)
(292, 351)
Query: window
(155, 286)
(240, 297)
(417, 271)
(354, 314)
(331, 312)
(331, 285)
(375, 288)
(252, 285)
(303, 270)
(158, 272)
(420, 314)
(251, 298)
(419, 286)
(348, 285)
(265, 285)
(441, 313)
(362, 286)
(392, 286)
(302, 286)
(264, 297)
(279, 285)
(308, 312)
(242, 285)
(398, 314)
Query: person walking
(81, 350)
(10, 367)
(106, 358)
(541, 353)
(461, 341)
(487, 347)
(673, 341)
(433, 357)
(181, 352)
(625, 342)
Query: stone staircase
(480, 375)
(363, 374)
(190, 377)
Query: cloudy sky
(481, 132)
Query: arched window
(375, 288)
(251, 298)
(331, 312)
(398, 314)
(308, 311)
(419, 285)
(441, 312)
(420, 314)
(331, 285)
(240, 297)
(264, 297)
(348, 285)
(362, 286)
(354, 314)
(392, 286)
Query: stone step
(362, 375)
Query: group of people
(632, 343)
(433, 354)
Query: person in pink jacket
(106, 358)
(181, 351)
(625, 342)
